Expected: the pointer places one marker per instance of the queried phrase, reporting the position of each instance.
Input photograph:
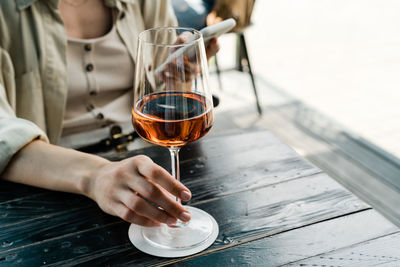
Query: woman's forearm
(119, 188)
(52, 167)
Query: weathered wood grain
(9, 191)
(211, 145)
(56, 251)
(40, 205)
(50, 226)
(248, 216)
(253, 185)
(244, 149)
(377, 161)
(224, 172)
(301, 243)
(383, 251)
(233, 163)
(251, 174)
(357, 166)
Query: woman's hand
(119, 188)
(172, 72)
(212, 47)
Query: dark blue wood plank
(9, 191)
(383, 251)
(57, 250)
(301, 243)
(39, 205)
(50, 226)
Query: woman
(64, 65)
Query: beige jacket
(33, 71)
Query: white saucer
(137, 238)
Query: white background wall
(341, 57)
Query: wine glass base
(168, 242)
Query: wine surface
(172, 118)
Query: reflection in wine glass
(172, 106)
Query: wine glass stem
(174, 151)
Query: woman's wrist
(92, 166)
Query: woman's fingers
(146, 178)
(162, 177)
(139, 206)
(212, 47)
(120, 187)
(130, 216)
(155, 194)
(183, 37)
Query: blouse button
(89, 67)
(89, 107)
(93, 92)
(88, 47)
(116, 129)
(100, 116)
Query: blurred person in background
(193, 13)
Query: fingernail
(184, 216)
(185, 195)
(171, 221)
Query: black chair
(242, 64)
(241, 11)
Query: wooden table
(273, 208)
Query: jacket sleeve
(15, 132)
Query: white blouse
(100, 73)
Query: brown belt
(117, 141)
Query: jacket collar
(22, 4)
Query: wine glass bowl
(172, 106)
(172, 101)
(172, 119)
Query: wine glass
(172, 106)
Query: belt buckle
(119, 140)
